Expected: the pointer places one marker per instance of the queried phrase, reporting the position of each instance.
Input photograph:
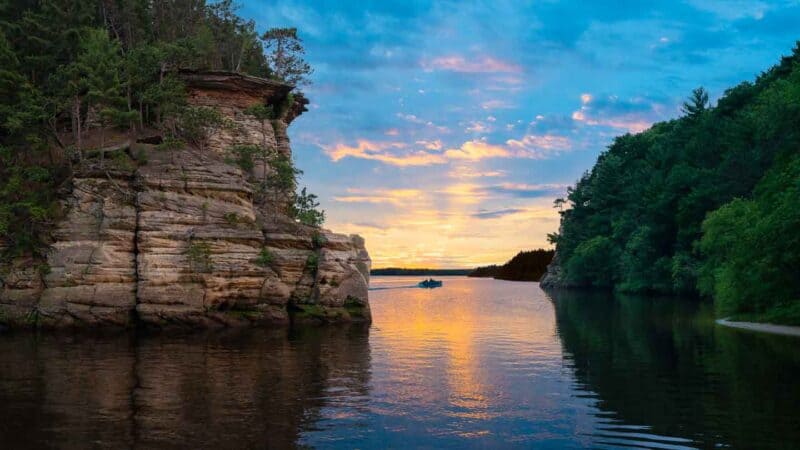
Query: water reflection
(661, 367)
(475, 364)
(242, 390)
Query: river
(478, 363)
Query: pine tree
(285, 54)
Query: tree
(697, 103)
(197, 124)
(100, 64)
(263, 113)
(285, 55)
(305, 209)
(705, 206)
(284, 174)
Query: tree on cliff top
(285, 54)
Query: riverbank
(762, 327)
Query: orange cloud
(530, 146)
(392, 196)
(431, 145)
(477, 150)
(392, 153)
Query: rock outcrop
(184, 239)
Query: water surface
(478, 364)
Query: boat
(430, 283)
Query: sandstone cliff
(176, 237)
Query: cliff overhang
(182, 237)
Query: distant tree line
(420, 272)
(708, 203)
(67, 66)
(524, 266)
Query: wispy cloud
(634, 115)
(393, 153)
(380, 196)
(523, 190)
(496, 104)
(482, 64)
(483, 214)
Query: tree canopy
(67, 66)
(706, 203)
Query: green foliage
(261, 112)
(170, 143)
(196, 124)
(589, 263)
(285, 54)
(697, 103)
(284, 173)
(318, 240)
(312, 263)
(63, 62)
(232, 218)
(243, 156)
(283, 107)
(305, 209)
(265, 258)
(199, 256)
(524, 266)
(637, 220)
(752, 247)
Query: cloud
(431, 145)
(530, 146)
(476, 150)
(392, 153)
(483, 214)
(469, 172)
(484, 64)
(522, 190)
(632, 115)
(371, 225)
(379, 196)
(416, 120)
(496, 104)
(539, 146)
(478, 127)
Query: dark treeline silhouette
(418, 272)
(706, 203)
(525, 266)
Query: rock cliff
(180, 237)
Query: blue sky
(442, 131)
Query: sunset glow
(429, 123)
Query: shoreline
(785, 330)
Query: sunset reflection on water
(452, 360)
(478, 363)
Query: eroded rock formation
(184, 239)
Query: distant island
(525, 266)
(420, 272)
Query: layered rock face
(184, 240)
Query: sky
(442, 131)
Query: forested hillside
(708, 203)
(524, 266)
(74, 74)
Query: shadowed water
(478, 363)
